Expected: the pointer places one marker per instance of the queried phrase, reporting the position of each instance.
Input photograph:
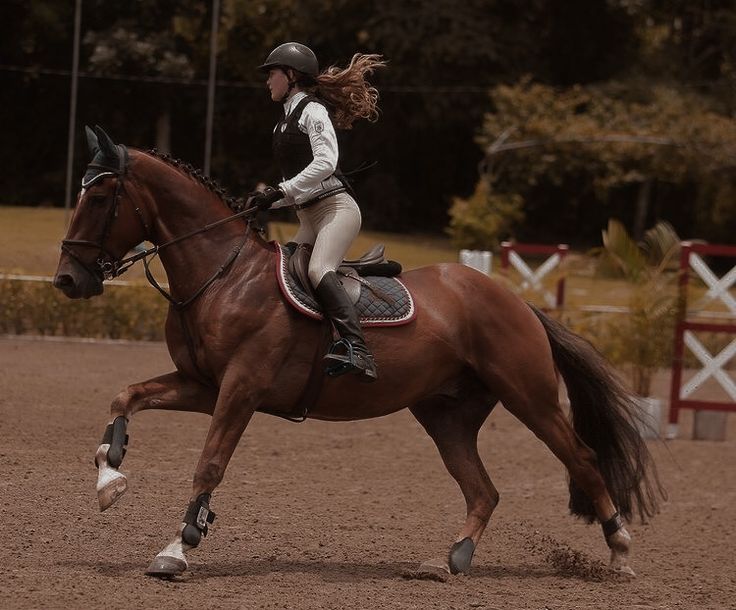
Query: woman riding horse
(239, 347)
(305, 147)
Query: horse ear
(92, 141)
(107, 146)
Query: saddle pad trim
(394, 321)
(281, 273)
(294, 298)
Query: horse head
(106, 224)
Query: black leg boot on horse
(349, 354)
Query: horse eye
(98, 199)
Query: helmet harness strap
(292, 83)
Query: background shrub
(122, 312)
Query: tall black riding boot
(349, 354)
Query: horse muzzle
(76, 282)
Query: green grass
(29, 244)
(30, 238)
(410, 250)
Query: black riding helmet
(292, 55)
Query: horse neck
(180, 205)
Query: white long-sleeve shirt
(318, 177)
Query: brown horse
(238, 347)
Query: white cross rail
(533, 279)
(477, 259)
(712, 367)
(717, 288)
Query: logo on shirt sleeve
(319, 126)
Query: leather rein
(109, 267)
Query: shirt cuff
(286, 189)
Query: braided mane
(236, 204)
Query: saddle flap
(299, 268)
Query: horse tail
(604, 416)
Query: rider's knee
(316, 274)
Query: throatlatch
(197, 519)
(115, 436)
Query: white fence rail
(477, 259)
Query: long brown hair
(347, 92)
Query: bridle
(108, 267)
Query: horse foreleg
(454, 426)
(111, 483)
(236, 404)
(171, 391)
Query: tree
(444, 58)
(149, 40)
(34, 106)
(640, 340)
(485, 219)
(598, 148)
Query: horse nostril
(63, 281)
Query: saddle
(380, 298)
(372, 263)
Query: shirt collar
(293, 101)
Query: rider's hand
(266, 197)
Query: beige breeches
(330, 226)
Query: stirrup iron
(337, 363)
(356, 359)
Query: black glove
(266, 197)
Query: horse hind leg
(453, 425)
(581, 464)
(537, 406)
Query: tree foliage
(596, 145)
(658, 67)
(484, 219)
(640, 340)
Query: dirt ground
(321, 515)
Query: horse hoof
(166, 566)
(624, 570)
(461, 555)
(110, 486)
(434, 569)
(620, 559)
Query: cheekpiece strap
(611, 526)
